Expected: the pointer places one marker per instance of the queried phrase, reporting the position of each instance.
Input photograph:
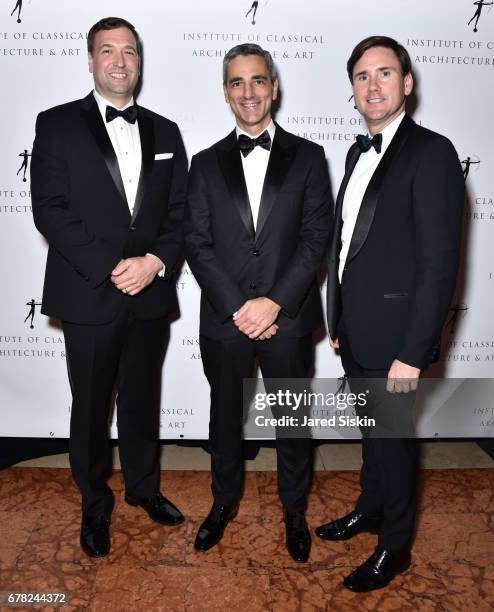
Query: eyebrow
(381, 68)
(255, 77)
(103, 45)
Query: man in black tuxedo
(257, 225)
(392, 270)
(108, 192)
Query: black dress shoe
(212, 529)
(379, 569)
(298, 538)
(159, 508)
(348, 526)
(95, 536)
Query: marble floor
(155, 568)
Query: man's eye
(362, 77)
(260, 82)
(386, 72)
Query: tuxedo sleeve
(90, 256)
(169, 244)
(218, 286)
(438, 200)
(290, 289)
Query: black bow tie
(365, 143)
(247, 144)
(129, 114)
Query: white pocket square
(159, 156)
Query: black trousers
(226, 363)
(125, 354)
(389, 473)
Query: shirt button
(252, 286)
(256, 252)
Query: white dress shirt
(255, 165)
(357, 185)
(126, 142)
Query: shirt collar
(103, 103)
(271, 130)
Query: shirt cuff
(161, 273)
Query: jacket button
(252, 286)
(132, 228)
(256, 252)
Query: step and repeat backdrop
(43, 62)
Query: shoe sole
(136, 504)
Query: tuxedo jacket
(80, 207)
(400, 271)
(232, 261)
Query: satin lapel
(280, 160)
(335, 248)
(94, 122)
(233, 172)
(352, 160)
(146, 132)
(371, 196)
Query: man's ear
(408, 82)
(276, 88)
(90, 62)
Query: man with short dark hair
(257, 225)
(392, 271)
(108, 182)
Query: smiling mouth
(375, 100)
(119, 76)
(249, 102)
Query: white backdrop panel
(43, 63)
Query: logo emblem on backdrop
(457, 311)
(33, 302)
(252, 12)
(25, 163)
(18, 8)
(479, 4)
(467, 163)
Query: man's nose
(374, 81)
(248, 90)
(120, 58)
